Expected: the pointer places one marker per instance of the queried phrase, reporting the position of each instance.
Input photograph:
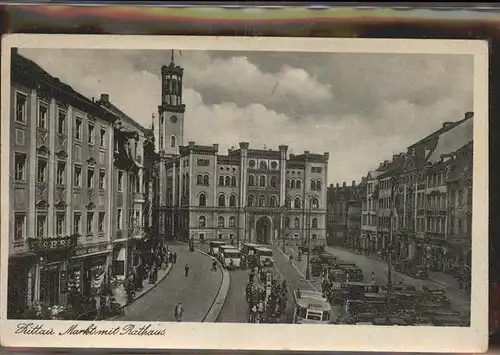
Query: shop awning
(91, 254)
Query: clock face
(173, 119)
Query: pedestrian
(179, 312)
(214, 266)
(175, 257)
(186, 269)
(373, 277)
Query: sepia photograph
(243, 185)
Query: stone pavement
(197, 291)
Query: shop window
(49, 286)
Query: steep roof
(452, 140)
(461, 167)
(31, 74)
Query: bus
(264, 256)
(230, 258)
(214, 247)
(249, 249)
(310, 307)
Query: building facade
(247, 195)
(339, 198)
(128, 186)
(62, 196)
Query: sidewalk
(197, 291)
(121, 296)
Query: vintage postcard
(244, 193)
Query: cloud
(360, 111)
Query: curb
(220, 299)
(169, 268)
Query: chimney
(326, 155)
(448, 124)
(216, 147)
(191, 145)
(105, 97)
(337, 185)
(353, 183)
(344, 184)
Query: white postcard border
(265, 336)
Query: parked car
(436, 295)
(318, 249)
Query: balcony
(49, 244)
(139, 197)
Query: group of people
(265, 307)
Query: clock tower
(170, 125)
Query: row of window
(60, 226)
(43, 120)
(20, 174)
(221, 222)
(262, 165)
(436, 224)
(273, 182)
(262, 201)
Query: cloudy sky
(362, 108)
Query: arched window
(202, 222)
(220, 222)
(233, 181)
(315, 203)
(232, 201)
(296, 202)
(296, 223)
(314, 223)
(262, 201)
(222, 201)
(274, 181)
(251, 163)
(292, 184)
(287, 183)
(314, 236)
(299, 184)
(221, 180)
(173, 142)
(262, 181)
(251, 180)
(288, 202)
(206, 180)
(313, 185)
(274, 201)
(251, 200)
(263, 165)
(228, 180)
(318, 185)
(202, 199)
(274, 165)
(199, 179)
(232, 222)
(287, 222)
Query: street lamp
(308, 268)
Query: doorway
(263, 230)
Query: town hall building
(247, 195)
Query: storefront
(21, 285)
(119, 261)
(88, 269)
